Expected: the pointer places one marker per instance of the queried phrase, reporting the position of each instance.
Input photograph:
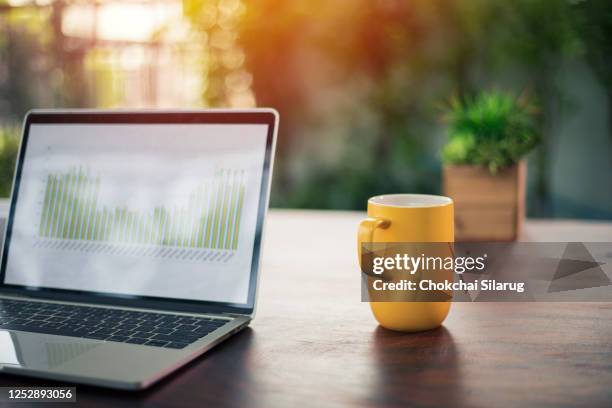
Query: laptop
(133, 241)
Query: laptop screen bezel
(252, 116)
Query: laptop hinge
(233, 314)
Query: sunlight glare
(135, 22)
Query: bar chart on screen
(74, 215)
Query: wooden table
(313, 343)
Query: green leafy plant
(9, 145)
(492, 129)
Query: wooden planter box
(487, 207)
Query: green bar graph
(72, 210)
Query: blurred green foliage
(358, 84)
(9, 145)
(492, 129)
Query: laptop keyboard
(122, 326)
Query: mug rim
(410, 200)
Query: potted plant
(484, 167)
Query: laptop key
(130, 320)
(176, 345)
(124, 326)
(119, 339)
(54, 325)
(216, 322)
(64, 331)
(36, 322)
(136, 340)
(209, 328)
(123, 333)
(204, 330)
(166, 319)
(73, 322)
(187, 336)
(105, 332)
(185, 327)
(81, 330)
(60, 316)
(163, 331)
(146, 327)
(172, 337)
(143, 334)
(156, 343)
(56, 319)
(188, 320)
(168, 325)
(19, 321)
(44, 315)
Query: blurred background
(359, 84)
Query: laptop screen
(165, 210)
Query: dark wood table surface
(313, 343)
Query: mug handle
(366, 231)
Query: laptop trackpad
(36, 351)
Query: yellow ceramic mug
(408, 218)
